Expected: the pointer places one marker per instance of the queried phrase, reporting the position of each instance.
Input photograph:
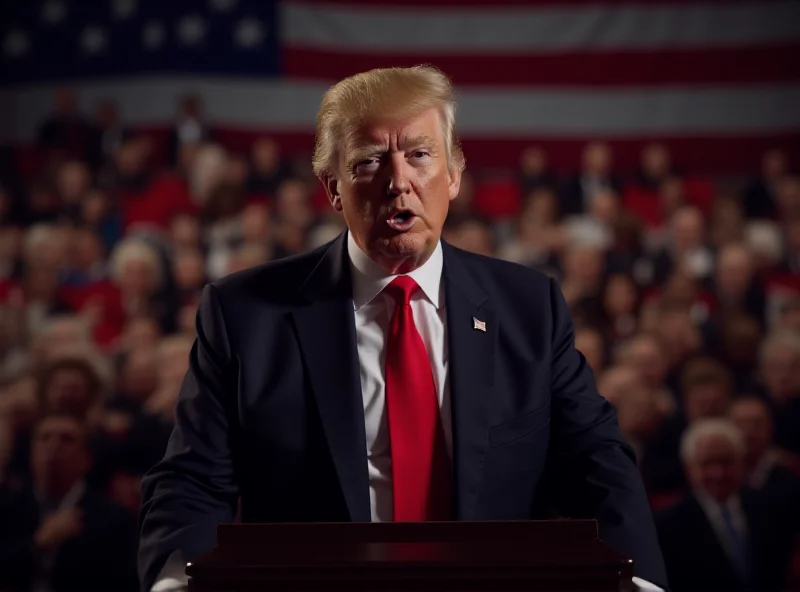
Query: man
(60, 536)
(765, 466)
(722, 536)
(388, 375)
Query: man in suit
(722, 536)
(766, 469)
(53, 531)
(388, 375)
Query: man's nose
(398, 179)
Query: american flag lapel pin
(478, 325)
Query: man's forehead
(402, 130)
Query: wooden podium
(404, 557)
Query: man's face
(781, 374)
(59, 455)
(68, 391)
(651, 360)
(753, 420)
(716, 467)
(394, 186)
(734, 273)
(706, 401)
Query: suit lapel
(326, 331)
(472, 342)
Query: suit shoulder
(276, 281)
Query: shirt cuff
(167, 585)
(645, 586)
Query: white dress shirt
(373, 314)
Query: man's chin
(413, 248)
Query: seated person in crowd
(721, 535)
(55, 530)
(766, 468)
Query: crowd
(685, 294)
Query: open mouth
(401, 221)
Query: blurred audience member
(138, 272)
(727, 223)
(535, 232)
(707, 389)
(582, 280)
(189, 128)
(779, 364)
(595, 227)
(735, 287)
(686, 250)
(473, 235)
(722, 536)
(107, 134)
(267, 167)
(760, 198)
(791, 257)
(65, 133)
(596, 174)
(590, 343)
(620, 307)
(637, 409)
(534, 171)
(53, 528)
(766, 468)
(738, 343)
(655, 166)
(188, 272)
(764, 240)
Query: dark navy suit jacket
(271, 411)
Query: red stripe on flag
(695, 155)
(656, 68)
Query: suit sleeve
(194, 487)
(593, 466)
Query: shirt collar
(369, 279)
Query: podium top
(462, 556)
(529, 531)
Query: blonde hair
(400, 92)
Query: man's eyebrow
(361, 152)
(419, 141)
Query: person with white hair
(138, 270)
(720, 535)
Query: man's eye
(367, 163)
(420, 154)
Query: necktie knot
(402, 288)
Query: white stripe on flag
(539, 29)
(513, 114)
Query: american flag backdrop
(719, 81)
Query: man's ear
(454, 181)
(331, 185)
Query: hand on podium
(169, 585)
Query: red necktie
(420, 464)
